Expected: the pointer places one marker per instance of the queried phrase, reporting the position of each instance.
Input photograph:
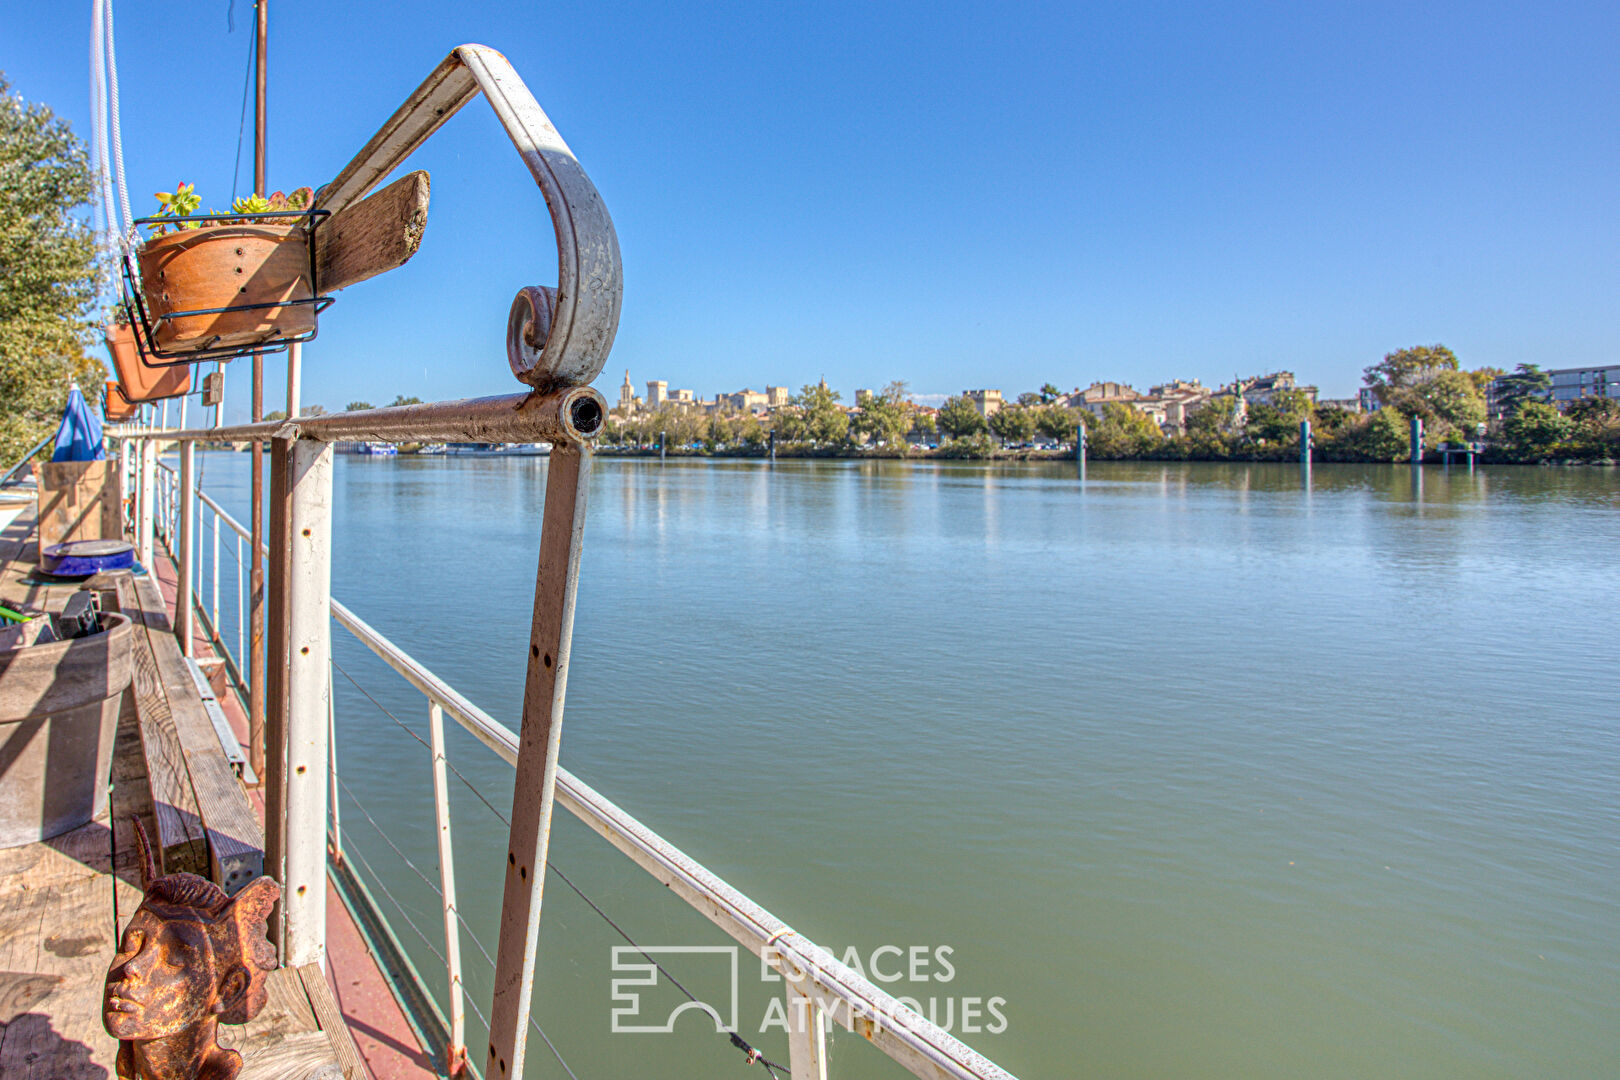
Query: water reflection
(1230, 770)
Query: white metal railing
(816, 984)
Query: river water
(1187, 770)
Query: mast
(256, 576)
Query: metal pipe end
(584, 413)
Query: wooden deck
(62, 901)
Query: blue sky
(953, 195)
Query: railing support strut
(539, 739)
(457, 1062)
(187, 569)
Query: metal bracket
(584, 313)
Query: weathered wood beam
(180, 838)
(235, 840)
(374, 236)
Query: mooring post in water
(663, 442)
(1417, 440)
(1080, 447)
(1305, 442)
(773, 445)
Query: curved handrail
(556, 337)
(42, 444)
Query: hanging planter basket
(224, 285)
(117, 407)
(138, 380)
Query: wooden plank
(179, 833)
(235, 839)
(286, 1012)
(330, 1017)
(78, 500)
(131, 796)
(56, 942)
(374, 236)
(296, 1057)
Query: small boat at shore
(529, 449)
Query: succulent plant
(183, 201)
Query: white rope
(126, 223)
(107, 135)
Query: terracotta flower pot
(227, 266)
(118, 407)
(142, 381)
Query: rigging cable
(241, 124)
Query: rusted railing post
(556, 582)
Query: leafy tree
(401, 399)
(48, 273)
(1122, 432)
(1527, 383)
(1049, 393)
(1327, 419)
(1216, 419)
(1056, 422)
(357, 406)
(824, 421)
(1451, 397)
(885, 416)
(1013, 425)
(1426, 381)
(277, 414)
(1483, 377)
(1408, 367)
(1599, 411)
(789, 424)
(1029, 399)
(312, 410)
(972, 445)
(958, 418)
(1278, 420)
(1536, 428)
(747, 430)
(923, 423)
(1384, 436)
(1596, 422)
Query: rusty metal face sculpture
(190, 959)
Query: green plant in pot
(196, 264)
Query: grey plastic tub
(59, 708)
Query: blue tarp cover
(79, 437)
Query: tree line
(1425, 381)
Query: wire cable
(241, 124)
(438, 892)
(754, 1056)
